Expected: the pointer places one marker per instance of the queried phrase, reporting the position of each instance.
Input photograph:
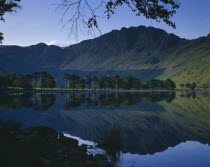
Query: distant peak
(42, 44)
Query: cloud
(59, 43)
(188, 35)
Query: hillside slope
(144, 52)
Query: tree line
(188, 85)
(28, 81)
(115, 82)
(40, 80)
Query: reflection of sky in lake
(186, 154)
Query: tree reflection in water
(112, 145)
(36, 101)
(114, 99)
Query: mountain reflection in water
(125, 125)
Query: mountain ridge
(142, 51)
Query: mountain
(145, 52)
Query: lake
(148, 129)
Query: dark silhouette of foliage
(153, 84)
(35, 78)
(94, 80)
(40, 102)
(182, 85)
(28, 82)
(193, 85)
(84, 15)
(169, 84)
(117, 81)
(112, 145)
(7, 6)
(187, 85)
(88, 81)
(159, 84)
(205, 86)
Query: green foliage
(182, 85)
(161, 10)
(205, 86)
(169, 84)
(7, 6)
(187, 85)
(153, 84)
(102, 82)
(130, 83)
(16, 80)
(126, 83)
(94, 80)
(27, 82)
(88, 81)
(45, 80)
(193, 86)
(159, 84)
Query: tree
(2, 81)
(35, 78)
(51, 82)
(88, 81)
(27, 81)
(82, 83)
(117, 81)
(130, 82)
(193, 85)
(102, 82)
(169, 84)
(94, 80)
(46, 80)
(66, 79)
(72, 81)
(18, 82)
(7, 6)
(187, 85)
(205, 86)
(154, 84)
(84, 14)
(42, 76)
(182, 85)
(77, 81)
(136, 83)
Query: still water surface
(150, 129)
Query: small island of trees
(45, 81)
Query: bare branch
(82, 16)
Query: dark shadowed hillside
(144, 52)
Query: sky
(40, 21)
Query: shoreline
(116, 91)
(44, 147)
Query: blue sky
(39, 21)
